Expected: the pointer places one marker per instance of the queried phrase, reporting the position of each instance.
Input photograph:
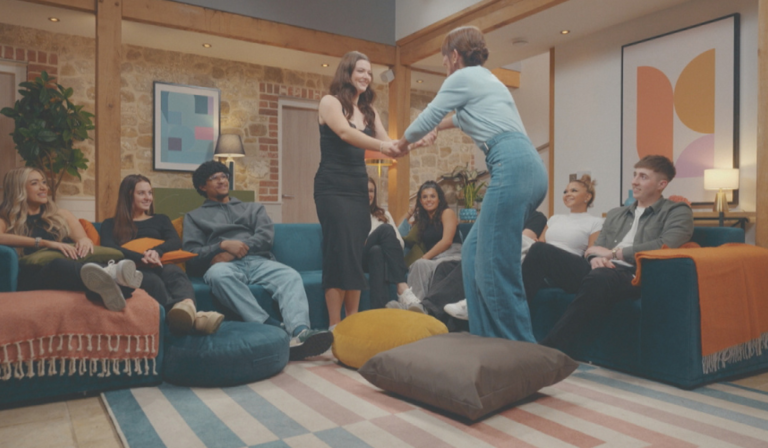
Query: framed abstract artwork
(680, 99)
(186, 125)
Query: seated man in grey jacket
(605, 275)
(233, 240)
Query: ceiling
(541, 32)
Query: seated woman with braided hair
(54, 247)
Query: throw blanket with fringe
(47, 333)
(733, 298)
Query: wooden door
(300, 159)
(10, 77)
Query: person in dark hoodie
(233, 240)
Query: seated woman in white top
(564, 240)
(383, 253)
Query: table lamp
(377, 159)
(721, 180)
(228, 147)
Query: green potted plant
(469, 189)
(47, 124)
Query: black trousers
(383, 261)
(447, 287)
(597, 290)
(60, 274)
(168, 285)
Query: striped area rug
(320, 404)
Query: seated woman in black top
(168, 284)
(432, 240)
(31, 221)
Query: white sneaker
(98, 280)
(395, 305)
(408, 298)
(124, 273)
(458, 309)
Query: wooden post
(399, 119)
(551, 167)
(761, 228)
(108, 51)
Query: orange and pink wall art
(680, 99)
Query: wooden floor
(85, 423)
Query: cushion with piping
(360, 336)
(465, 374)
(90, 231)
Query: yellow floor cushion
(363, 335)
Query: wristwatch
(613, 253)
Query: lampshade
(727, 179)
(229, 145)
(376, 158)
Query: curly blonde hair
(14, 209)
(589, 184)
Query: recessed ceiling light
(565, 31)
(54, 19)
(207, 45)
(519, 41)
(419, 81)
(324, 65)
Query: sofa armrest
(9, 269)
(671, 321)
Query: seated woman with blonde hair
(562, 245)
(55, 250)
(167, 283)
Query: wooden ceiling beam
(185, 17)
(234, 26)
(487, 15)
(76, 5)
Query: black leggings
(60, 274)
(383, 261)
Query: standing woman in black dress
(348, 126)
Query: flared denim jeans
(493, 281)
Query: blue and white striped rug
(320, 404)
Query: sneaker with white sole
(395, 305)
(418, 308)
(458, 309)
(125, 274)
(408, 298)
(310, 343)
(98, 280)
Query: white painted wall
(532, 98)
(411, 16)
(588, 97)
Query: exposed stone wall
(451, 149)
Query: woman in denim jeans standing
(487, 113)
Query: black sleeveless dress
(341, 199)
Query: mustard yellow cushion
(362, 336)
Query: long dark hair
(124, 228)
(343, 89)
(376, 211)
(420, 213)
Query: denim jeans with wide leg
(229, 283)
(493, 280)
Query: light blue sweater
(484, 107)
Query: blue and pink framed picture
(186, 121)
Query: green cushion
(42, 257)
(175, 202)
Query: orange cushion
(141, 245)
(91, 232)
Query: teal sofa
(659, 335)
